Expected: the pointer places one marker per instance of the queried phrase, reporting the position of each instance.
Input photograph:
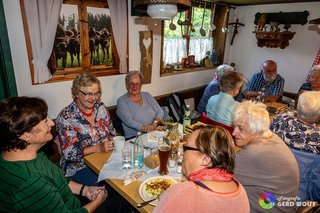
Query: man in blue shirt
(266, 81)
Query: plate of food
(153, 187)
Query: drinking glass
(126, 158)
(164, 151)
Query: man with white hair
(265, 165)
(213, 88)
(267, 81)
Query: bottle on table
(138, 152)
(186, 118)
(291, 109)
(261, 94)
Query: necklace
(87, 114)
(136, 99)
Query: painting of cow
(105, 37)
(60, 45)
(74, 46)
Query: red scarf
(216, 174)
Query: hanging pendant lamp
(161, 9)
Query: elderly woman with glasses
(84, 127)
(265, 166)
(29, 181)
(208, 164)
(314, 80)
(138, 111)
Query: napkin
(133, 176)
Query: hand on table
(160, 128)
(104, 147)
(251, 94)
(108, 146)
(149, 128)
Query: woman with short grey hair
(314, 80)
(220, 106)
(84, 127)
(300, 131)
(138, 111)
(249, 111)
(213, 88)
(264, 163)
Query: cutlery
(139, 205)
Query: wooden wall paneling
(146, 47)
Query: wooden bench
(51, 149)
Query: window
(84, 41)
(188, 39)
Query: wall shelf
(273, 39)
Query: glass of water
(126, 158)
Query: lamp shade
(161, 9)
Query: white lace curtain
(42, 18)
(118, 9)
(175, 49)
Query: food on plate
(157, 186)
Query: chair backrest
(176, 106)
(309, 172)
(205, 119)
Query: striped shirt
(35, 186)
(273, 88)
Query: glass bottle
(291, 109)
(261, 94)
(138, 152)
(186, 118)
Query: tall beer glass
(164, 151)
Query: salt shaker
(179, 166)
(172, 162)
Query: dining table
(129, 192)
(108, 166)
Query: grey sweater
(268, 166)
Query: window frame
(219, 38)
(70, 73)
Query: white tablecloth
(112, 169)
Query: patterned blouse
(296, 134)
(76, 133)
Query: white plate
(143, 192)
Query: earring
(28, 143)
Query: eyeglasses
(185, 148)
(90, 95)
(131, 84)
